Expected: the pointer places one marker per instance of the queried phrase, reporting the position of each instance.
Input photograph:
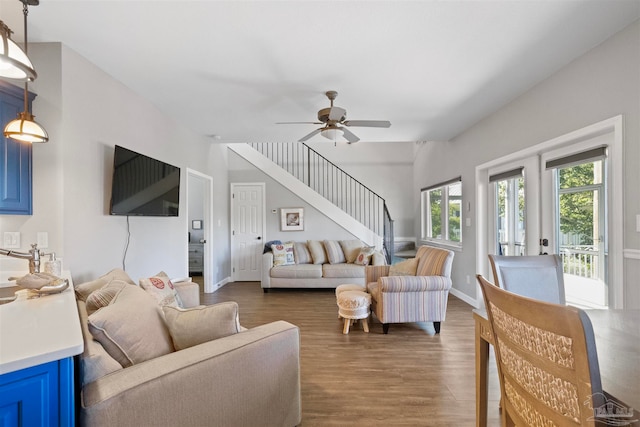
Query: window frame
(426, 218)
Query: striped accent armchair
(419, 298)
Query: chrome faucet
(33, 256)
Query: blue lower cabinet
(42, 395)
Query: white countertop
(39, 330)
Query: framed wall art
(291, 219)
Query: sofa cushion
(302, 271)
(342, 271)
(351, 249)
(318, 253)
(283, 254)
(378, 258)
(193, 326)
(102, 297)
(335, 255)
(301, 253)
(161, 288)
(364, 256)
(83, 290)
(404, 268)
(95, 362)
(131, 328)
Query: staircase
(326, 187)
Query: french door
(556, 203)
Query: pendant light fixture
(25, 128)
(14, 62)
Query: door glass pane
(510, 216)
(455, 209)
(582, 233)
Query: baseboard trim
(464, 297)
(216, 286)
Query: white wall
(316, 225)
(86, 113)
(601, 84)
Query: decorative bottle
(53, 266)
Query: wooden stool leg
(365, 325)
(347, 323)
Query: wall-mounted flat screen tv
(143, 186)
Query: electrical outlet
(468, 279)
(11, 240)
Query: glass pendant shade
(25, 129)
(14, 63)
(331, 133)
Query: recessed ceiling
(235, 68)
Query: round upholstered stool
(353, 305)
(348, 287)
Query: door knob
(259, 238)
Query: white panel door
(247, 206)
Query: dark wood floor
(410, 377)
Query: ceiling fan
(334, 120)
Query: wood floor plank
(409, 377)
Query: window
(442, 212)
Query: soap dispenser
(53, 266)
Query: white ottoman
(354, 305)
(348, 287)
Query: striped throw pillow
(334, 252)
(301, 253)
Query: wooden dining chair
(547, 362)
(539, 277)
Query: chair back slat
(539, 277)
(547, 361)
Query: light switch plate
(11, 240)
(43, 239)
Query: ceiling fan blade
(299, 123)
(337, 113)
(368, 123)
(312, 134)
(349, 136)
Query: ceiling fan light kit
(334, 119)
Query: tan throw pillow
(283, 254)
(103, 296)
(301, 253)
(317, 251)
(364, 257)
(378, 258)
(335, 255)
(161, 288)
(83, 290)
(131, 329)
(351, 249)
(404, 268)
(193, 326)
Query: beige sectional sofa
(248, 377)
(319, 264)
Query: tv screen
(143, 186)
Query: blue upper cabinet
(15, 157)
